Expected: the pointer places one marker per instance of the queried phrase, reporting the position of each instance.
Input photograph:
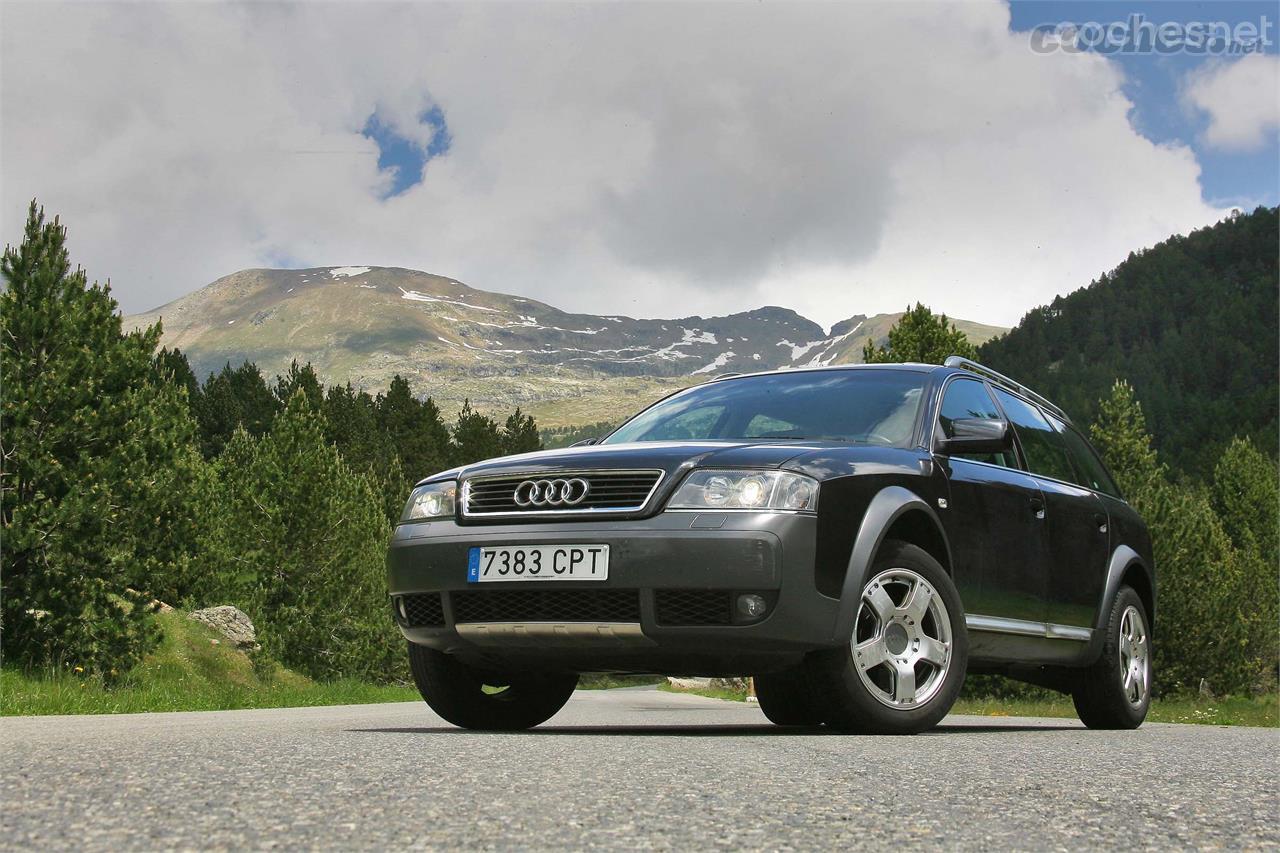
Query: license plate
(538, 563)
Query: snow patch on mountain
(798, 350)
(415, 296)
(721, 360)
(347, 272)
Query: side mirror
(977, 435)
(584, 442)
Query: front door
(994, 519)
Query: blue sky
(403, 157)
(1153, 83)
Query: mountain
(1190, 323)
(366, 324)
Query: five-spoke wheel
(1135, 660)
(905, 661)
(902, 639)
(1115, 692)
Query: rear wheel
(1115, 692)
(785, 698)
(903, 667)
(474, 699)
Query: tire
(866, 690)
(785, 698)
(456, 692)
(1115, 693)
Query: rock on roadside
(232, 623)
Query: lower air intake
(547, 605)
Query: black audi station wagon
(856, 538)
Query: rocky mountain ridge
(452, 341)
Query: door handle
(1101, 521)
(1037, 507)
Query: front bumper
(651, 615)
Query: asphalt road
(629, 768)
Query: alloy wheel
(902, 639)
(1135, 657)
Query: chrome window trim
(933, 428)
(1026, 628)
(464, 506)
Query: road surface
(634, 768)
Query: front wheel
(905, 663)
(1115, 692)
(473, 699)
(786, 698)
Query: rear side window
(968, 398)
(1045, 450)
(1092, 473)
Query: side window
(968, 398)
(1046, 451)
(1092, 473)
(765, 426)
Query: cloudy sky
(648, 159)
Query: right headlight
(758, 490)
(433, 500)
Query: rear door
(1075, 519)
(1092, 475)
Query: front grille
(422, 609)
(609, 491)
(547, 605)
(693, 607)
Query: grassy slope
(188, 672)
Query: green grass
(1228, 711)
(187, 672)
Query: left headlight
(433, 500)
(759, 490)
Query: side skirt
(1002, 641)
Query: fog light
(751, 605)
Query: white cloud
(1242, 99)
(653, 160)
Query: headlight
(762, 490)
(433, 500)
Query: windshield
(861, 406)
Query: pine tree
(1246, 495)
(415, 429)
(300, 378)
(520, 434)
(351, 425)
(1203, 626)
(475, 436)
(237, 396)
(297, 539)
(96, 451)
(920, 337)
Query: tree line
(125, 480)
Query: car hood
(821, 459)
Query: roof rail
(1000, 379)
(726, 376)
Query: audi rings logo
(551, 492)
